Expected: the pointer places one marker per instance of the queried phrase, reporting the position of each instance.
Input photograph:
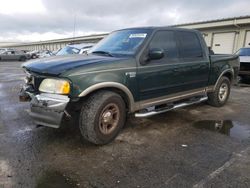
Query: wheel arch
(229, 73)
(119, 88)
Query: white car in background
(2, 50)
(75, 49)
(86, 47)
(244, 54)
(45, 53)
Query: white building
(222, 35)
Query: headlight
(55, 86)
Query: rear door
(11, 55)
(194, 64)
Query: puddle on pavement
(227, 127)
(55, 179)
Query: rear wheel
(22, 58)
(221, 94)
(102, 117)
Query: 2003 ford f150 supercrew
(145, 71)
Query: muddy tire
(221, 94)
(102, 117)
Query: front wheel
(221, 94)
(102, 117)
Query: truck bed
(222, 62)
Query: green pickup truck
(145, 71)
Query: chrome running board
(166, 109)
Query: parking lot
(198, 146)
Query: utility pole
(74, 32)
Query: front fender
(121, 78)
(119, 86)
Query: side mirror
(155, 53)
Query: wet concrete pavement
(198, 146)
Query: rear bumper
(48, 109)
(244, 69)
(244, 73)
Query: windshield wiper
(103, 52)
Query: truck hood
(56, 65)
(245, 59)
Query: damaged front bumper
(46, 109)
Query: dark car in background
(14, 55)
(244, 54)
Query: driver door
(11, 55)
(160, 77)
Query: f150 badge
(131, 74)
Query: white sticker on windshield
(138, 35)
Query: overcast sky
(35, 20)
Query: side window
(166, 41)
(190, 46)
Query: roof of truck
(160, 28)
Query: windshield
(124, 42)
(244, 52)
(68, 50)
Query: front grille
(244, 66)
(37, 81)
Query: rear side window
(166, 41)
(190, 46)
